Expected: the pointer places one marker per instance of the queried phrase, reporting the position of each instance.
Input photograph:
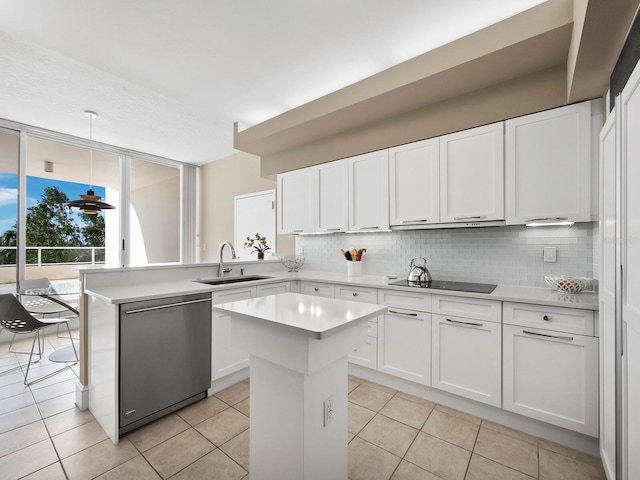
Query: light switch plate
(549, 254)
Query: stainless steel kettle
(419, 272)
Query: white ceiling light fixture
(90, 203)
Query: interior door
(254, 213)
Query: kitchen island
(299, 346)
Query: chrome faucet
(221, 269)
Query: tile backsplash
(505, 255)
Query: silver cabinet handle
(367, 228)
(545, 219)
(316, 289)
(478, 217)
(329, 229)
(402, 313)
(354, 294)
(558, 337)
(473, 324)
(415, 221)
(296, 231)
(546, 318)
(168, 305)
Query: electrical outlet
(549, 254)
(328, 410)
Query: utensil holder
(354, 268)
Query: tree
(93, 230)
(50, 224)
(8, 239)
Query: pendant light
(90, 203)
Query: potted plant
(259, 244)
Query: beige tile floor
(392, 435)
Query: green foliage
(50, 223)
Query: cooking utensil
(419, 271)
(347, 255)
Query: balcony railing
(41, 256)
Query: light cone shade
(90, 203)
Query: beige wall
(219, 183)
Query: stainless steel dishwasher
(165, 357)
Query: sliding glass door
(9, 166)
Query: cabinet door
(332, 204)
(404, 345)
(466, 356)
(548, 165)
(369, 191)
(296, 201)
(226, 359)
(472, 175)
(630, 262)
(414, 183)
(552, 377)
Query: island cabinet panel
(226, 359)
(404, 341)
(467, 357)
(550, 375)
(548, 165)
(472, 175)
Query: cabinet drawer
(559, 319)
(476, 308)
(357, 294)
(233, 295)
(272, 289)
(410, 300)
(317, 289)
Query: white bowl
(567, 284)
(293, 264)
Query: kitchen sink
(226, 280)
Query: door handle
(472, 324)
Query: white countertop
(315, 317)
(149, 290)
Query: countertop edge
(505, 293)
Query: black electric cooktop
(446, 285)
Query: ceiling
(171, 78)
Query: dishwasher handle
(168, 305)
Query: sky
(35, 188)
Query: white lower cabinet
(226, 359)
(404, 344)
(466, 358)
(551, 376)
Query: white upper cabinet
(296, 201)
(472, 175)
(548, 165)
(332, 202)
(414, 183)
(369, 191)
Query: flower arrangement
(259, 244)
